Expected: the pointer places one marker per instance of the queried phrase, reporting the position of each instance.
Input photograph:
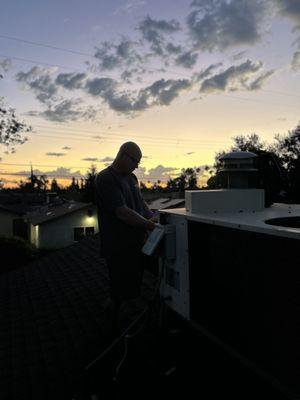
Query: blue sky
(181, 78)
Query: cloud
(66, 148)
(70, 81)
(5, 64)
(296, 61)
(92, 159)
(129, 7)
(154, 174)
(112, 55)
(67, 110)
(40, 82)
(187, 59)
(290, 8)
(221, 24)
(239, 55)
(60, 172)
(161, 92)
(107, 159)
(53, 154)
(99, 86)
(236, 77)
(153, 32)
(259, 82)
(207, 72)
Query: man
(124, 219)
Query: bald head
(130, 148)
(128, 158)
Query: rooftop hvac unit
(230, 266)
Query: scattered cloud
(187, 59)
(206, 72)
(238, 56)
(39, 80)
(221, 24)
(129, 7)
(100, 86)
(5, 64)
(107, 159)
(161, 92)
(154, 31)
(54, 154)
(260, 80)
(92, 159)
(68, 110)
(159, 172)
(70, 81)
(112, 55)
(60, 172)
(291, 9)
(296, 61)
(236, 77)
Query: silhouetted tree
(11, 128)
(89, 187)
(54, 186)
(34, 184)
(288, 150)
(74, 186)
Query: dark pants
(126, 274)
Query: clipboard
(153, 240)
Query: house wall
(60, 231)
(6, 223)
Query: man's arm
(131, 217)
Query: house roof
(53, 322)
(17, 209)
(51, 212)
(53, 325)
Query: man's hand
(154, 218)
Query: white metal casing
(224, 200)
(175, 279)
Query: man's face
(131, 160)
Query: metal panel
(175, 280)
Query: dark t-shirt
(114, 190)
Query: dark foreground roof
(53, 321)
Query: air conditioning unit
(231, 267)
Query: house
(59, 225)
(11, 221)
(48, 221)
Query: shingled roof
(53, 321)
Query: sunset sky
(179, 77)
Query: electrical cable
(125, 334)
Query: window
(89, 231)
(78, 234)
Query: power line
(122, 135)
(46, 45)
(150, 144)
(40, 63)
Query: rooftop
(53, 211)
(53, 321)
